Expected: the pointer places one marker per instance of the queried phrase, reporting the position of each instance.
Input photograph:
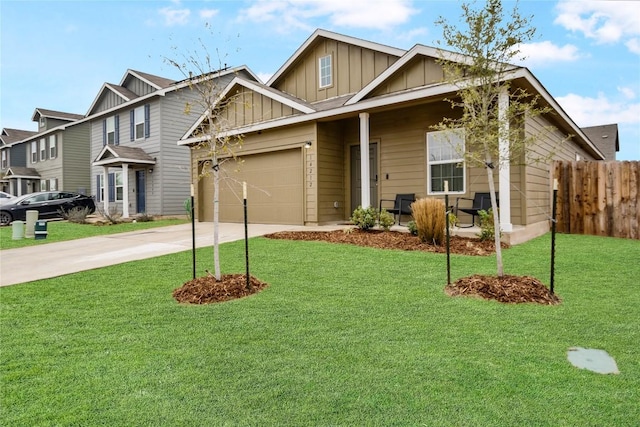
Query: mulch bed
(507, 289)
(205, 290)
(391, 240)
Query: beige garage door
(274, 189)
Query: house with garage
(136, 166)
(347, 122)
(55, 157)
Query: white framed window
(43, 185)
(100, 178)
(139, 122)
(43, 149)
(43, 121)
(34, 152)
(53, 148)
(5, 161)
(119, 186)
(53, 184)
(111, 130)
(445, 161)
(326, 76)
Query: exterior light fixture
(307, 144)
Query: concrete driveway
(56, 259)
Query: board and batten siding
(251, 107)
(329, 174)
(353, 67)
(420, 71)
(139, 87)
(107, 101)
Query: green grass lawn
(59, 231)
(343, 336)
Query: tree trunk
(496, 221)
(216, 214)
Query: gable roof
(117, 154)
(21, 172)
(269, 92)
(605, 137)
(152, 80)
(122, 92)
(10, 136)
(320, 33)
(52, 114)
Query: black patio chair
(480, 202)
(401, 205)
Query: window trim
(139, 120)
(325, 67)
(110, 128)
(4, 163)
(34, 152)
(53, 146)
(458, 160)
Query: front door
(141, 192)
(356, 177)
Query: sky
(57, 55)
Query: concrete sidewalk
(56, 259)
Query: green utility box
(41, 230)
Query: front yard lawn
(59, 231)
(342, 336)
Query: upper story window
(111, 131)
(34, 152)
(43, 149)
(139, 119)
(53, 147)
(326, 76)
(445, 161)
(5, 159)
(43, 121)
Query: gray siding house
(136, 165)
(56, 157)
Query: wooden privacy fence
(599, 198)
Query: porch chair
(481, 201)
(401, 205)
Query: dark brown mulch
(205, 290)
(507, 289)
(391, 240)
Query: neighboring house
(56, 157)
(605, 137)
(342, 96)
(136, 165)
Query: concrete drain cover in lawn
(592, 359)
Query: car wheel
(5, 218)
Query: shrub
(429, 215)
(364, 219)
(453, 219)
(187, 207)
(385, 219)
(413, 228)
(76, 215)
(112, 216)
(487, 229)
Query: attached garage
(274, 189)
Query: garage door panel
(274, 189)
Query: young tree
(493, 112)
(216, 147)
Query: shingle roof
(9, 136)
(56, 114)
(605, 137)
(157, 80)
(22, 172)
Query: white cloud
(378, 14)
(627, 92)
(547, 53)
(208, 13)
(586, 111)
(175, 16)
(603, 21)
(634, 45)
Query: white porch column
(19, 189)
(125, 190)
(364, 161)
(504, 167)
(105, 187)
